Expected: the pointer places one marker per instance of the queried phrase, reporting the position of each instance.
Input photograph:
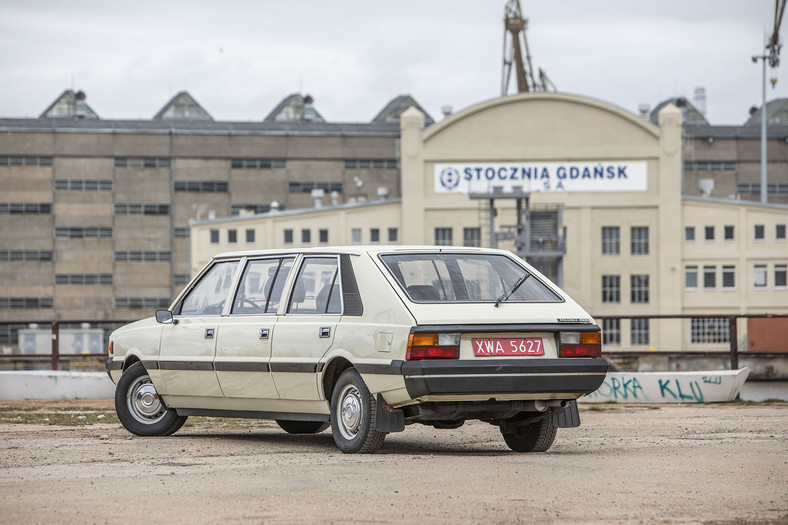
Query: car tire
(302, 427)
(139, 407)
(536, 437)
(353, 411)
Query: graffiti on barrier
(668, 389)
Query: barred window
(443, 237)
(759, 232)
(729, 277)
(729, 233)
(250, 236)
(611, 288)
(393, 234)
(611, 331)
(610, 240)
(214, 236)
(779, 232)
(691, 277)
(709, 330)
(472, 237)
(323, 236)
(638, 288)
(708, 233)
(780, 275)
(689, 234)
(374, 235)
(709, 277)
(288, 236)
(639, 240)
(232, 236)
(306, 236)
(639, 331)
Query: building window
(689, 234)
(610, 240)
(708, 233)
(639, 240)
(759, 232)
(374, 235)
(26, 303)
(142, 209)
(288, 236)
(443, 237)
(142, 162)
(611, 288)
(25, 161)
(355, 235)
(84, 279)
(389, 164)
(472, 237)
(307, 187)
(638, 288)
(251, 209)
(709, 330)
(181, 233)
(306, 236)
(18, 208)
(710, 166)
(759, 276)
(729, 233)
(181, 278)
(728, 277)
(126, 303)
(393, 234)
(611, 331)
(639, 331)
(205, 186)
(323, 236)
(214, 236)
(709, 277)
(232, 236)
(257, 164)
(63, 232)
(26, 255)
(250, 236)
(780, 232)
(691, 277)
(142, 256)
(780, 274)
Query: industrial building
(95, 213)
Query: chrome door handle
(264, 333)
(209, 333)
(325, 331)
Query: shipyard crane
(517, 54)
(774, 44)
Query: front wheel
(139, 407)
(536, 437)
(302, 427)
(353, 411)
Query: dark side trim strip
(248, 414)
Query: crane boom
(516, 54)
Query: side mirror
(165, 317)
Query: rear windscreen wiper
(508, 293)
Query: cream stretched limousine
(366, 340)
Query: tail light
(580, 344)
(111, 347)
(433, 346)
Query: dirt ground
(72, 462)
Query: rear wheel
(302, 427)
(353, 411)
(139, 407)
(536, 437)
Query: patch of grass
(58, 418)
(598, 408)
(740, 402)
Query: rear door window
(459, 277)
(317, 288)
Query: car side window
(261, 286)
(317, 288)
(209, 295)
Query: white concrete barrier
(714, 386)
(47, 384)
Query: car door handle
(264, 333)
(325, 331)
(209, 333)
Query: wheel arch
(331, 374)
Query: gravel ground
(71, 462)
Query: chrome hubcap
(349, 412)
(143, 401)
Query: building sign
(545, 176)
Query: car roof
(357, 250)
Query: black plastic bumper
(504, 376)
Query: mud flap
(388, 419)
(569, 417)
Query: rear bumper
(504, 376)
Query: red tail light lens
(580, 344)
(433, 346)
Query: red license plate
(508, 346)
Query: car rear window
(461, 278)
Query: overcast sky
(241, 58)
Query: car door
(243, 348)
(306, 330)
(188, 346)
